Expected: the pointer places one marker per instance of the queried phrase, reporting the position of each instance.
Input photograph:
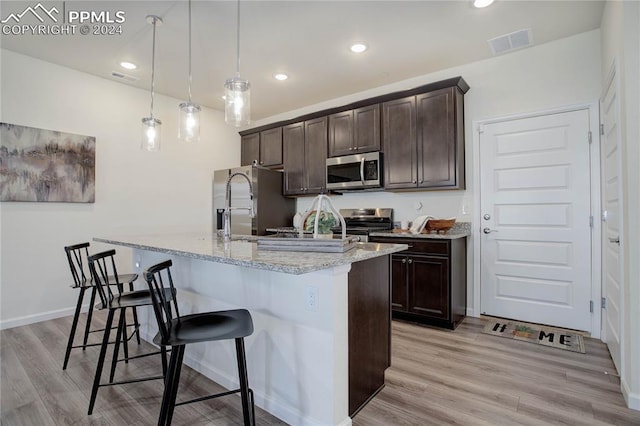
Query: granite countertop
(243, 251)
(459, 230)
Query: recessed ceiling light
(128, 65)
(280, 76)
(358, 47)
(482, 3)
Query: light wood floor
(437, 377)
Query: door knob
(486, 217)
(410, 261)
(615, 240)
(488, 230)
(404, 260)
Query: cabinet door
(293, 147)
(250, 149)
(399, 143)
(315, 145)
(271, 147)
(341, 134)
(436, 140)
(366, 129)
(399, 293)
(429, 286)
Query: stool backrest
(103, 267)
(159, 278)
(77, 255)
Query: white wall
(621, 42)
(564, 72)
(136, 191)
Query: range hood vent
(510, 42)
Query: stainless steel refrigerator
(272, 209)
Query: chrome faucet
(226, 217)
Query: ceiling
(308, 40)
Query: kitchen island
(322, 320)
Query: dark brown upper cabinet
(264, 147)
(305, 152)
(354, 131)
(250, 149)
(423, 140)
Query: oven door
(357, 171)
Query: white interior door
(535, 219)
(612, 207)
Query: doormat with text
(538, 334)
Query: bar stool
(178, 331)
(103, 266)
(77, 257)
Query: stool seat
(131, 299)
(207, 327)
(122, 279)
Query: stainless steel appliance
(271, 208)
(362, 221)
(358, 171)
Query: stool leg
(135, 318)
(244, 383)
(171, 386)
(103, 352)
(74, 324)
(87, 326)
(163, 357)
(116, 346)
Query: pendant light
(151, 125)
(237, 101)
(189, 124)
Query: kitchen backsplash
(406, 206)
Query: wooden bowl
(439, 225)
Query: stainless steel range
(362, 221)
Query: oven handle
(362, 170)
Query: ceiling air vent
(121, 76)
(509, 42)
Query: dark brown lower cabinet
(428, 280)
(369, 329)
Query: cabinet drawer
(422, 246)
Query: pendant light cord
(153, 63)
(238, 42)
(189, 51)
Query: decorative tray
(293, 242)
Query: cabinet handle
(421, 181)
(413, 181)
(350, 148)
(410, 245)
(356, 148)
(404, 260)
(410, 261)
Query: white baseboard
(286, 413)
(44, 316)
(633, 399)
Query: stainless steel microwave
(358, 171)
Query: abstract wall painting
(46, 166)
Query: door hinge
(590, 221)
(591, 306)
(603, 303)
(602, 129)
(590, 137)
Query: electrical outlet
(311, 298)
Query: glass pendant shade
(151, 126)
(189, 129)
(151, 134)
(237, 102)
